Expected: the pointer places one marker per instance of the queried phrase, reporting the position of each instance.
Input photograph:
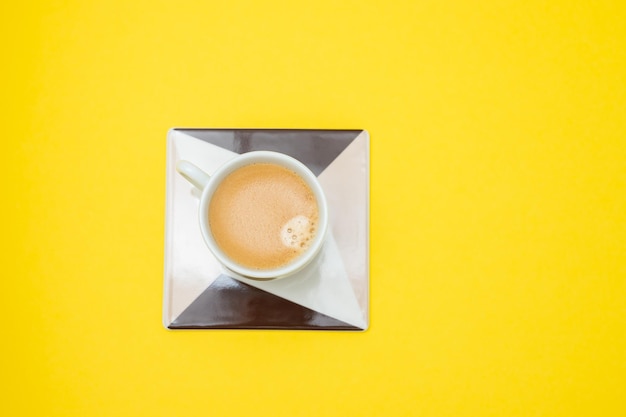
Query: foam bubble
(297, 232)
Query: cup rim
(259, 157)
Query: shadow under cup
(212, 183)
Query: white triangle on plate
(346, 179)
(189, 266)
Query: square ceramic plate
(332, 293)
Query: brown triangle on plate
(231, 304)
(315, 148)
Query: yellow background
(498, 200)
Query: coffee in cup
(263, 215)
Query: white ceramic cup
(209, 183)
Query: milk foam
(263, 216)
(298, 232)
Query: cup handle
(193, 174)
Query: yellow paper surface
(498, 201)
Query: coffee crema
(263, 216)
